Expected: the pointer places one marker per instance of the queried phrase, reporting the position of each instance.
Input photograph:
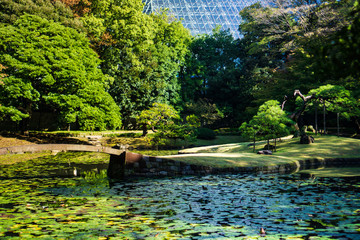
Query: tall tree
(214, 72)
(143, 53)
(9, 113)
(339, 100)
(340, 58)
(49, 65)
(159, 115)
(11, 10)
(285, 41)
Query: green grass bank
(288, 151)
(220, 152)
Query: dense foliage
(11, 10)
(300, 45)
(143, 53)
(87, 61)
(270, 122)
(140, 55)
(205, 133)
(50, 66)
(166, 125)
(212, 78)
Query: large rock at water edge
(305, 139)
(265, 152)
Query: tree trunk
(254, 142)
(296, 115)
(153, 129)
(144, 129)
(24, 126)
(39, 122)
(324, 113)
(25, 122)
(275, 145)
(338, 124)
(316, 118)
(358, 125)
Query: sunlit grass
(15, 158)
(288, 151)
(73, 157)
(147, 152)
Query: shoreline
(146, 166)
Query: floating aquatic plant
(45, 206)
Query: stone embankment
(123, 164)
(145, 166)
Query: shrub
(205, 134)
(227, 131)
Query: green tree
(52, 66)
(143, 53)
(166, 124)
(158, 116)
(9, 113)
(206, 111)
(258, 60)
(250, 131)
(214, 71)
(336, 99)
(11, 10)
(270, 122)
(340, 58)
(2, 75)
(286, 42)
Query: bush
(126, 135)
(205, 134)
(227, 131)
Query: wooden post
(324, 112)
(116, 169)
(254, 141)
(338, 124)
(316, 118)
(275, 145)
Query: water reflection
(194, 207)
(280, 204)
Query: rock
(262, 232)
(269, 147)
(305, 139)
(265, 152)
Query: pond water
(38, 204)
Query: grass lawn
(225, 151)
(289, 150)
(15, 158)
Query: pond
(39, 204)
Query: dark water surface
(201, 207)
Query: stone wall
(145, 166)
(154, 166)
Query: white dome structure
(201, 16)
